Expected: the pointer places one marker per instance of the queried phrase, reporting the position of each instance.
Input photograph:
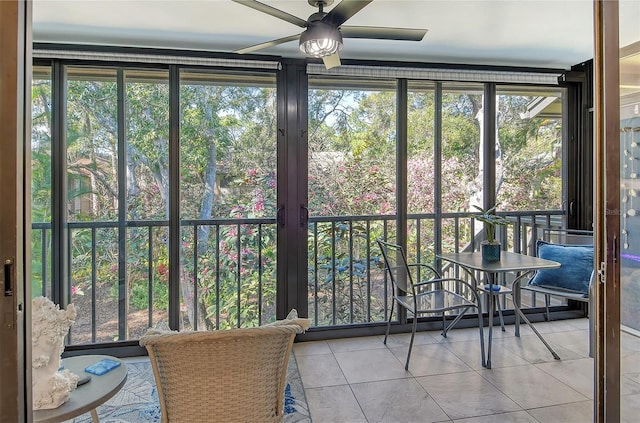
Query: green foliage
(139, 299)
(531, 157)
(460, 128)
(339, 274)
(490, 220)
(228, 162)
(245, 276)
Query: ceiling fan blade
(383, 33)
(267, 44)
(331, 61)
(273, 12)
(343, 11)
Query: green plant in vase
(490, 246)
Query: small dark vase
(490, 252)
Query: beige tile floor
(363, 380)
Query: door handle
(304, 216)
(280, 216)
(572, 205)
(8, 278)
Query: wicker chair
(236, 375)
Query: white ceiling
(532, 33)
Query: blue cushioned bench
(573, 280)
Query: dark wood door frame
(607, 233)
(15, 126)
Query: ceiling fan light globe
(320, 40)
(320, 48)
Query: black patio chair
(426, 296)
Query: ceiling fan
(324, 31)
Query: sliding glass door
(106, 174)
(352, 199)
(629, 81)
(228, 162)
(617, 229)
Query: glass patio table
(509, 262)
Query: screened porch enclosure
(163, 193)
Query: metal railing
(228, 268)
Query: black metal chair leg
(413, 334)
(393, 306)
(454, 322)
(547, 301)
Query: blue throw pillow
(576, 265)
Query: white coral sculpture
(51, 386)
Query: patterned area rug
(137, 401)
